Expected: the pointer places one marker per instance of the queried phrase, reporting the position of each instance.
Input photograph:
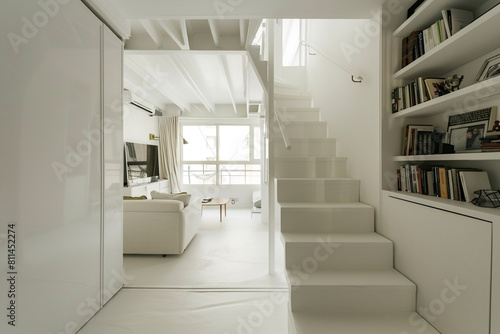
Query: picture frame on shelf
(466, 130)
(489, 69)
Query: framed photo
(490, 69)
(465, 138)
(466, 130)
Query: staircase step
(304, 130)
(300, 114)
(318, 190)
(339, 251)
(307, 147)
(351, 291)
(293, 101)
(327, 217)
(360, 323)
(310, 167)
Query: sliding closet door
(51, 165)
(112, 264)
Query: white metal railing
(282, 126)
(354, 77)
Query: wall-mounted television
(141, 163)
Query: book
(410, 140)
(432, 86)
(459, 19)
(446, 20)
(472, 181)
(443, 182)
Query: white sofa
(159, 226)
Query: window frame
(252, 124)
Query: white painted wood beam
(243, 32)
(246, 82)
(228, 81)
(165, 88)
(177, 30)
(253, 27)
(192, 82)
(215, 32)
(152, 32)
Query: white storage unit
(61, 143)
(146, 189)
(441, 242)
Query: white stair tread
(306, 205)
(341, 238)
(356, 278)
(316, 179)
(298, 109)
(293, 96)
(360, 323)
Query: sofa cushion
(183, 197)
(151, 205)
(134, 198)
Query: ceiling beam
(228, 81)
(253, 27)
(243, 32)
(152, 31)
(215, 32)
(140, 65)
(177, 30)
(192, 82)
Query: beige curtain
(169, 151)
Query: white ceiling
(191, 54)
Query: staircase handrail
(282, 127)
(354, 77)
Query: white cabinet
(52, 175)
(146, 189)
(113, 166)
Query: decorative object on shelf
(489, 69)
(486, 198)
(435, 87)
(452, 84)
(466, 130)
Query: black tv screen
(141, 163)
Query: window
(221, 154)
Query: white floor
(231, 254)
(219, 285)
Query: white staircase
(340, 271)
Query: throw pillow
(183, 197)
(131, 197)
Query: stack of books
(420, 42)
(491, 142)
(452, 183)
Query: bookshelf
(413, 220)
(480, 37)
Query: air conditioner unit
(140, 103)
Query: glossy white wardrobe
(61, 166)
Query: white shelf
(430, 11)
(461, 208)
(475, 40)
(477, 156)
(478, 91)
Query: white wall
(137, 125)
(352, 110)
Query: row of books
(456, 184)
(418, 139)
(416, 92)
(422, 41)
